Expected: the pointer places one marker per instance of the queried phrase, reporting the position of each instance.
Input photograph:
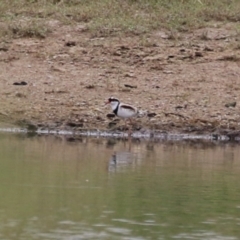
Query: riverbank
(183, 82)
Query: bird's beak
(107, 102)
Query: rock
(20, 95)
(130, 75)
(73, 124)
(70, 44)
(136, 127)
(117, 53)
(168, 72)
(22, 83)
(112, 124)
(90, 86)
(110, 115)
(32, 127)
(170, 56)
(163, 35)
(122, 128)
(123, 47)
(116, 120)
(231, 104)
(208, 49)
(70, 139)
(198, 54)
(58, 69)
(233, 58)
(180, 106)
(4, 48)
(129, 86)
(28, 125)
(182, 50)
(233, 135)
(98, 118)
(150, 115)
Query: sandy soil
(191, 82)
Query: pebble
(231, 104)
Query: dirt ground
(183, 82)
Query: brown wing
(128, 107)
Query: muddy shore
(189, 84)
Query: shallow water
(52, 188)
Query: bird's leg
(129, 129)
(125, 125)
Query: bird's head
(112, 101)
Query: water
(106, 189)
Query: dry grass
(26, 18)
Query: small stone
(22, 83)
(110, 115)
(20, 95)
(163, 35)
(181, 107)
(178, 107)
(208, 49)
(198, 54)
(150, 115)
(112, 124)
(117, 53)
(4, 48)
(99, 118)
(130, 75)
(231, 104)
(70, 44)
(73, 124)
(70, 139)
(233, 135)
(116, 120)
(31, 127)
(136, 127)
(130, 86)
(168, 72)
(28, 125)
(90, 86)
(58, 69)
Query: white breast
(114, 105)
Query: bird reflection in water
(120, 161)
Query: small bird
(122, 110)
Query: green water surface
(51, 188)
